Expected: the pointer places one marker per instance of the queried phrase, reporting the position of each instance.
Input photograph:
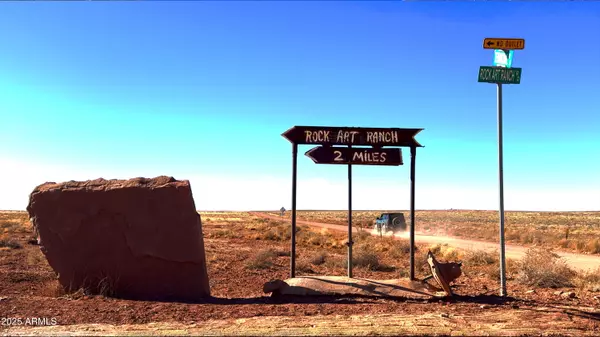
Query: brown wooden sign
(328, 135)
(355, 156)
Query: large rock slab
(139, 238)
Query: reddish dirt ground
(28, 288)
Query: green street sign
(499, 75)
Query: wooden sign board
(355, 156)
(328, 135)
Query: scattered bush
(543, 268)
(52, 289)
(593, 246)
(335, 262)
(318, 258)
(364, 257)
(361, 236)
(302, 265)
(263, 259)
(480, 258)
(9, 243)
(493, 270)
(445, 252)
(226, 233)
(589, 280)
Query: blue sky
(203, 90)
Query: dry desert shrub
(265, 258)
(445, 252)
(318, 258)
(487, 263)
(52, 289)
(544, 268)
(388, 247)
(593, 246)
(306, 263)
(302, 265)
(335, 262)
(589, 280)
(226, 233)
(273, 231)
(9, 243)
(35, 258)
(107, 286)
(480, 257)
(493, 270)
(361, 236)
(365, 257)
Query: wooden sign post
(330, 151)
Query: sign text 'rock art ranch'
(499, 75)
(327, 135)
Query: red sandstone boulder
(139, 238)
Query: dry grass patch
(14, 222)
(544, 268)
(306, 263)
(52, 289)
(225, 234)
(304, 266)
(318, 258)
(265, 259)
(364, 256)
(35, 258)
(589, 280)
(480, 258)
(488, 263)
(9, 243)
(593, 246)
(445, 252)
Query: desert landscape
(244, 250)
(358, 168)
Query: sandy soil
(239, 306)
(499, 323)
(578, 261)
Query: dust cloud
(401, 235)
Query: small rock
(514, 306)
(597, 298)
(568, 294)
(444, 315)
(558, 293)
(532, 291)
(484, 306)
(3, 298)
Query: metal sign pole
(294, 174)
(501, 73)
(350, 220)
(413, 157)
(501, 185)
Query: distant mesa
(138, 239)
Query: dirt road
(578, 261)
